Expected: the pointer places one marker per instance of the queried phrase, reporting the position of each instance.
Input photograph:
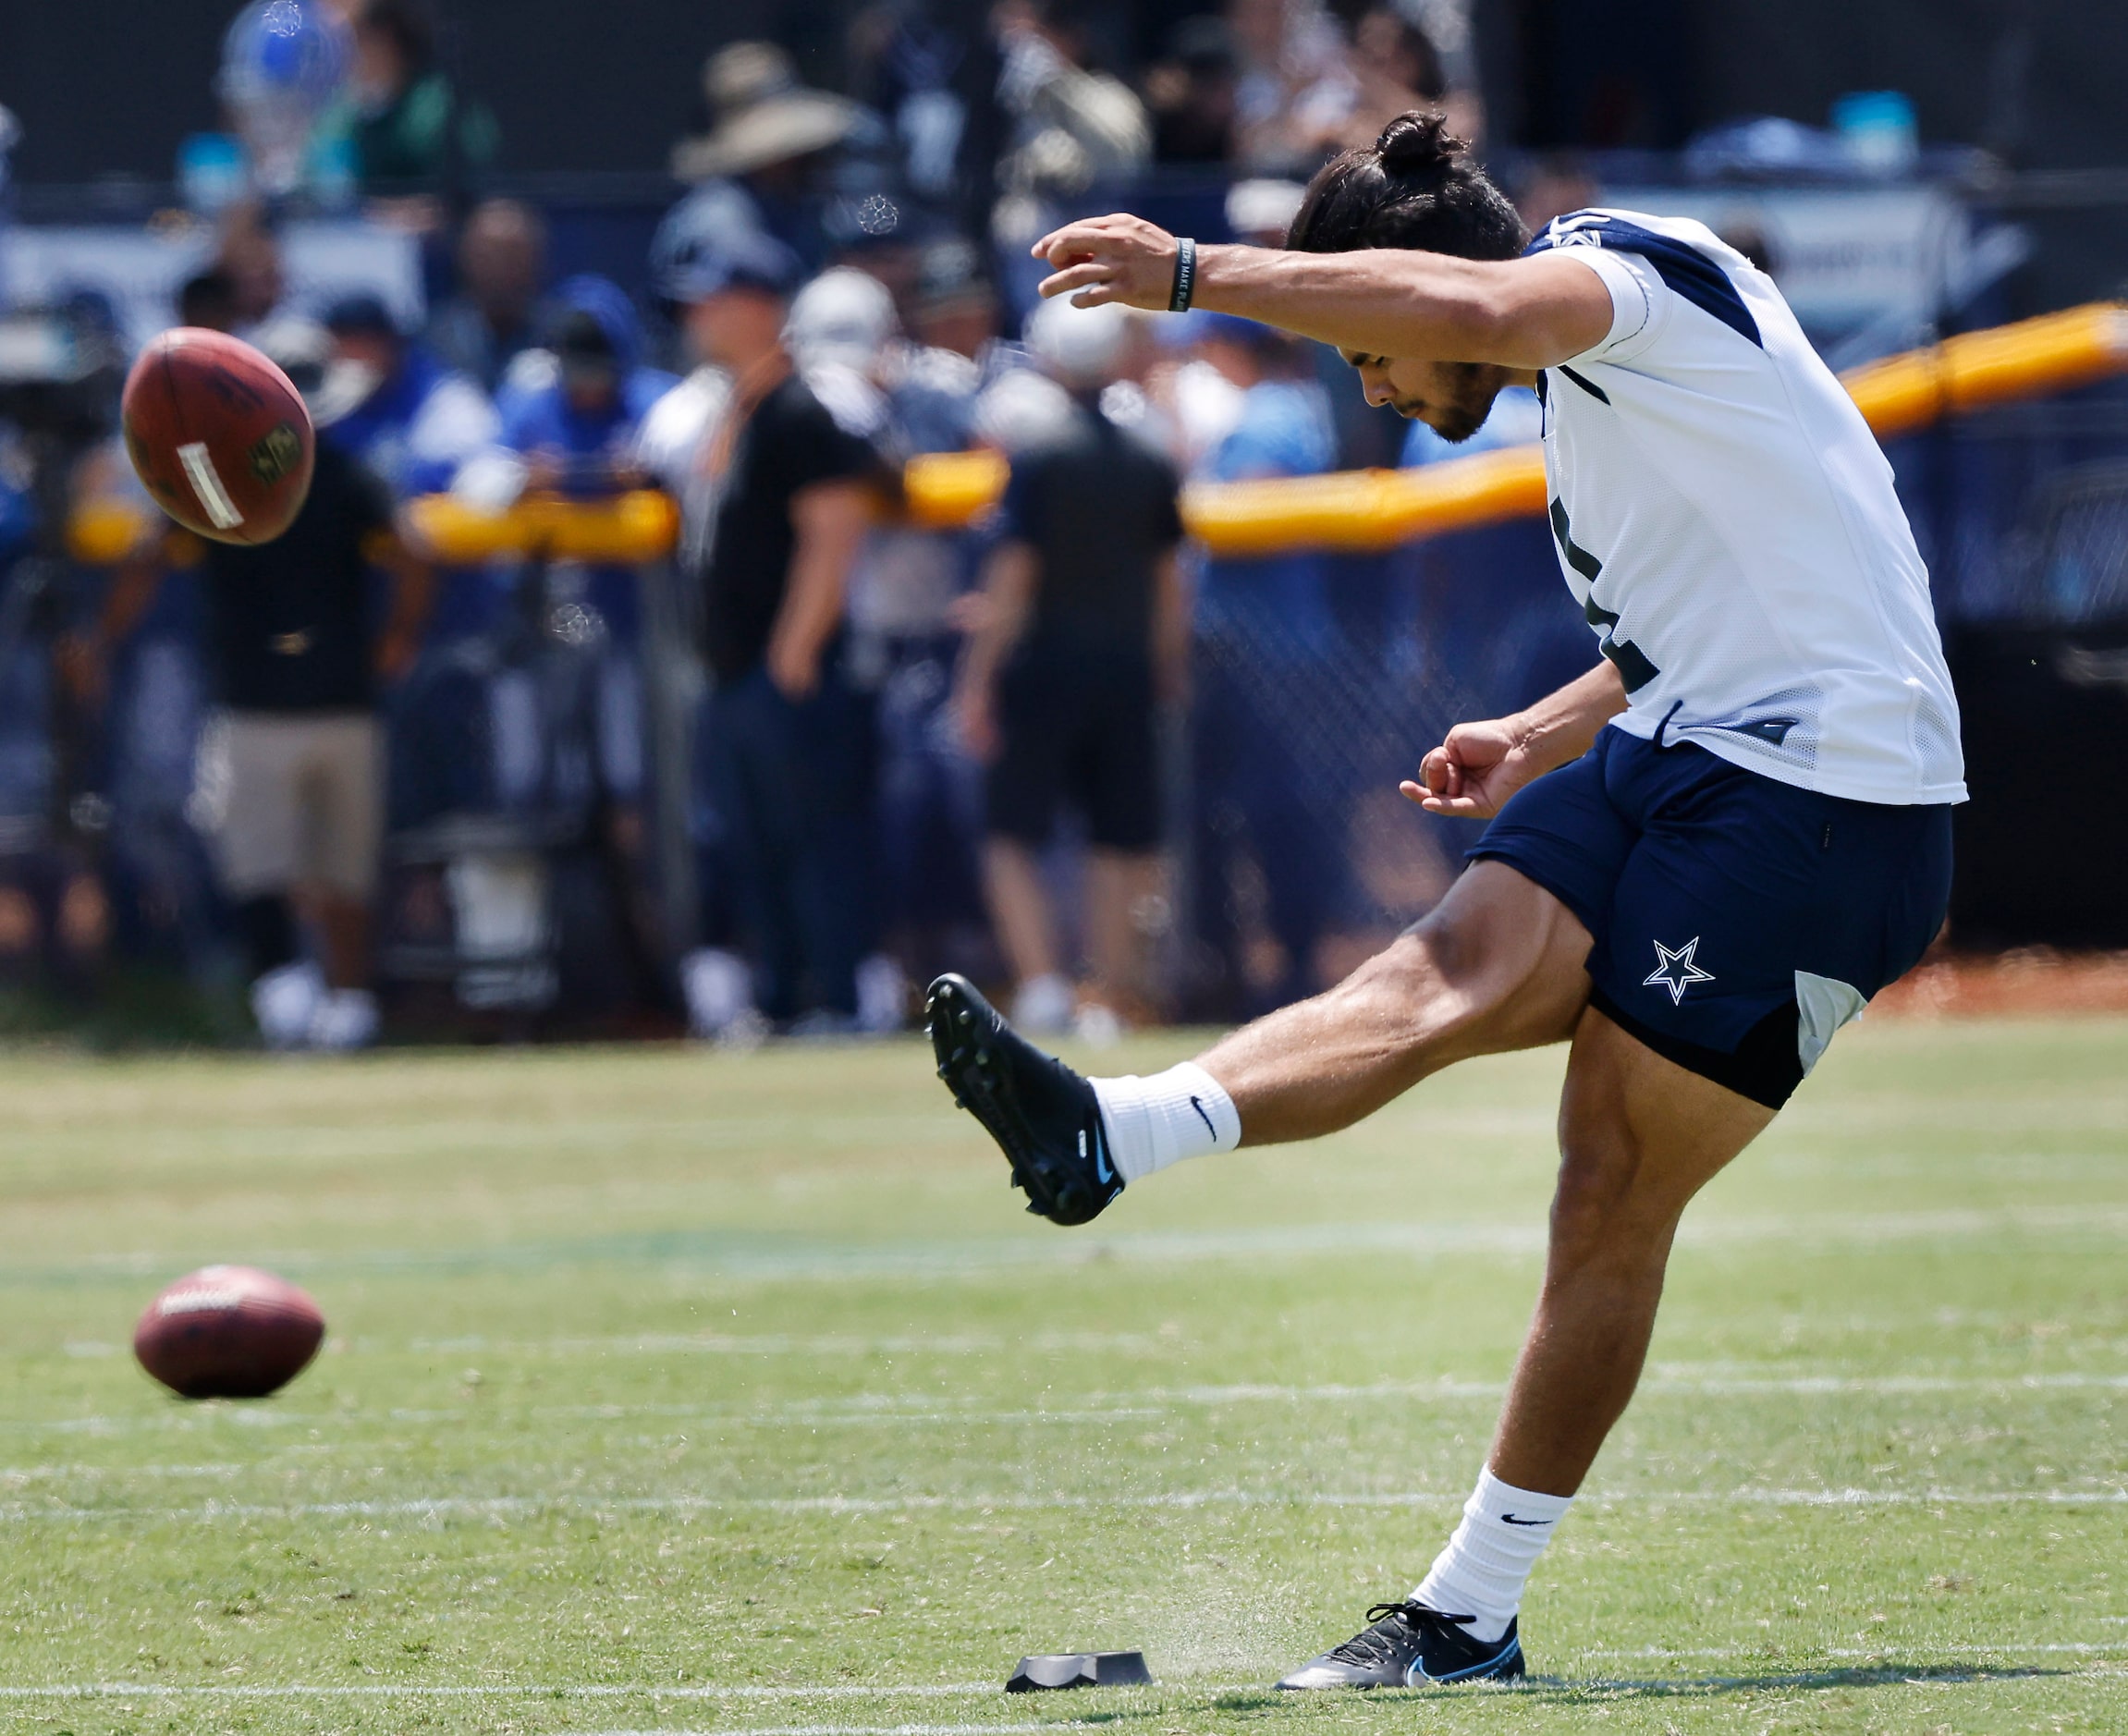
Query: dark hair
(1415, 187)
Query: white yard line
(506, 1506)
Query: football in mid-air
(218, 434)
(229, 1332)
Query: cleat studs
(964, 1017)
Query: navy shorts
(1738, 921)
(1079, 728)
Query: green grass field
(675, 1391)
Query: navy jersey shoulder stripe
(1687, 271)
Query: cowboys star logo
(1676, 970)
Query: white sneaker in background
(346, 1019)
(286, 1001)
(719, 989)
(1043, 1006)
(882, 994)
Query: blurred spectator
(573, 417)
(283, 64)
(1297, 91)
(953, 307)
(1075, 125)
(1192, 90)
(406, 127)
(1083, 631)
(778, 496)
(1413, 54)
(1266, 645)
(497, 312)
(759, 157)
(916, 71)
(1367, 436)
(208, 298)
(1552, 187)
(1069, 126)
(760, 115)
(903, 637)
(408, 418)
(576, 418)
(289, 786)
(250, 259)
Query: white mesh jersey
(1727, 521)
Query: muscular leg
(1496, 966)
(1639, 1136)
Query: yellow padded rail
(1352, 511)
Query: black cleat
(1042, 1114)
(1411, 1647)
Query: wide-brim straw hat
(763, 116)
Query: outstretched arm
(1382, 302)
(1481, 764)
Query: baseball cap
(707, 263)
(1082, 347)
(842, 316)
(361, 313)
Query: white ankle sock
(1151, 1123)
(1482, 1572)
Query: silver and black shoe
(1408, 1645)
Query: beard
(1463, 414)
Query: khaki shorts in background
(289, 799)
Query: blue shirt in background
(1279, 601)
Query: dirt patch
(2032, 980)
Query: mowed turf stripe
(516, 1506)
(1153, 1402)
(756, 1256)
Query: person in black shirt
(291, 780)
(1082, 632)
(780, 492)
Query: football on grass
(229, 1332)
(218, 434)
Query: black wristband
(1185, 275)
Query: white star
(1677, 960)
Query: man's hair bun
(1416, 187)
(1418, 144)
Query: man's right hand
(1471, 775)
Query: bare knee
(1435, 980)
(1499, 970)
(1610, 1209)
